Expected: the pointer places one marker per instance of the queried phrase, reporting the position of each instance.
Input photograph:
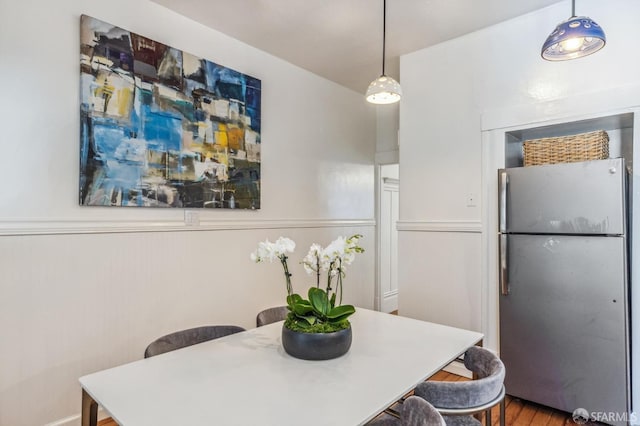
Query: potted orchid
(322, 312)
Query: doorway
(388, 208)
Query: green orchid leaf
(339, 319)
(319, 300)
(333, 301)
(310, 319)
(305, 321)
(301, 308)
(340, 313)
(293, 299)
(341, 310)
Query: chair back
(418, 412)
(192, 336)
(490, 372)
(271, 315)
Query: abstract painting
(163, 128)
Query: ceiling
(341, 40)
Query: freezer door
(563, 323)
(574, 198)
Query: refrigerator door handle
(502, 200)
(504, 272)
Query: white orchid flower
(271, 251)
(311, 261)
(284, 245)
(333, 259)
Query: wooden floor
(518, 413)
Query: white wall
(390, 171)
(387, 148)
(83, 289)
(455, 90)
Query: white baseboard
(389, 302)
(75, 420)
(67, 421)
(457, 367)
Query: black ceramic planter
(316, 346)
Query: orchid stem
(287, 275)
(340, 281)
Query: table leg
(89, 410)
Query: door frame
(380, 187)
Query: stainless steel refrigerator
(563, 275)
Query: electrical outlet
(472, 200)
(191, 218)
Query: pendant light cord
(573, 8)
(384, 31)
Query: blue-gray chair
(271, 315)
(457, 401)
(192, 336)
(414, 412)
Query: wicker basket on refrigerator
(566, 149)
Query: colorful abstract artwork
(163, 128)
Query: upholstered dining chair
(271, 315)
(414, 412)
(192, 336)
(457, 401)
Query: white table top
(247, 379)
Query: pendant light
(574, 38)
(384, 89)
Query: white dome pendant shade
(576, 37)
(384, 89)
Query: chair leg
(392, 412)
(502, 412)
(488, 417)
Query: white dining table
(248, 379)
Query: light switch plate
(191, 218)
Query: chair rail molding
(41, 226)
(472, 226)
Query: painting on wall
(163, 128)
